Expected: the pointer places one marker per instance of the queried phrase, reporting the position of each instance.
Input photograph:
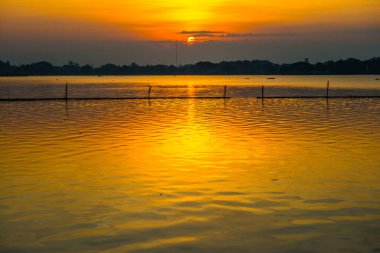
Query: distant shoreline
(349, 66)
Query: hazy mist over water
(235, 175)
(164, 52)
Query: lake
(194, 175)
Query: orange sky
(98, 31)
(166, 19)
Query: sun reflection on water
(204, 174)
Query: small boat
(271, 78)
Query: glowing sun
(190, 40)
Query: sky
(155, 31)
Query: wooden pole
(327, 89)
(66, 92)
(225, 91)
(327, 95)
(149, 89)
(262, 91)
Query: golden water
(190, 176)
(183, 86)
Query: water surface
(186, 86)
(190, 175)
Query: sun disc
(190, 40)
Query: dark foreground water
(190, 176)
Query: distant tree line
(349, 66)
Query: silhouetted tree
(341, 67)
